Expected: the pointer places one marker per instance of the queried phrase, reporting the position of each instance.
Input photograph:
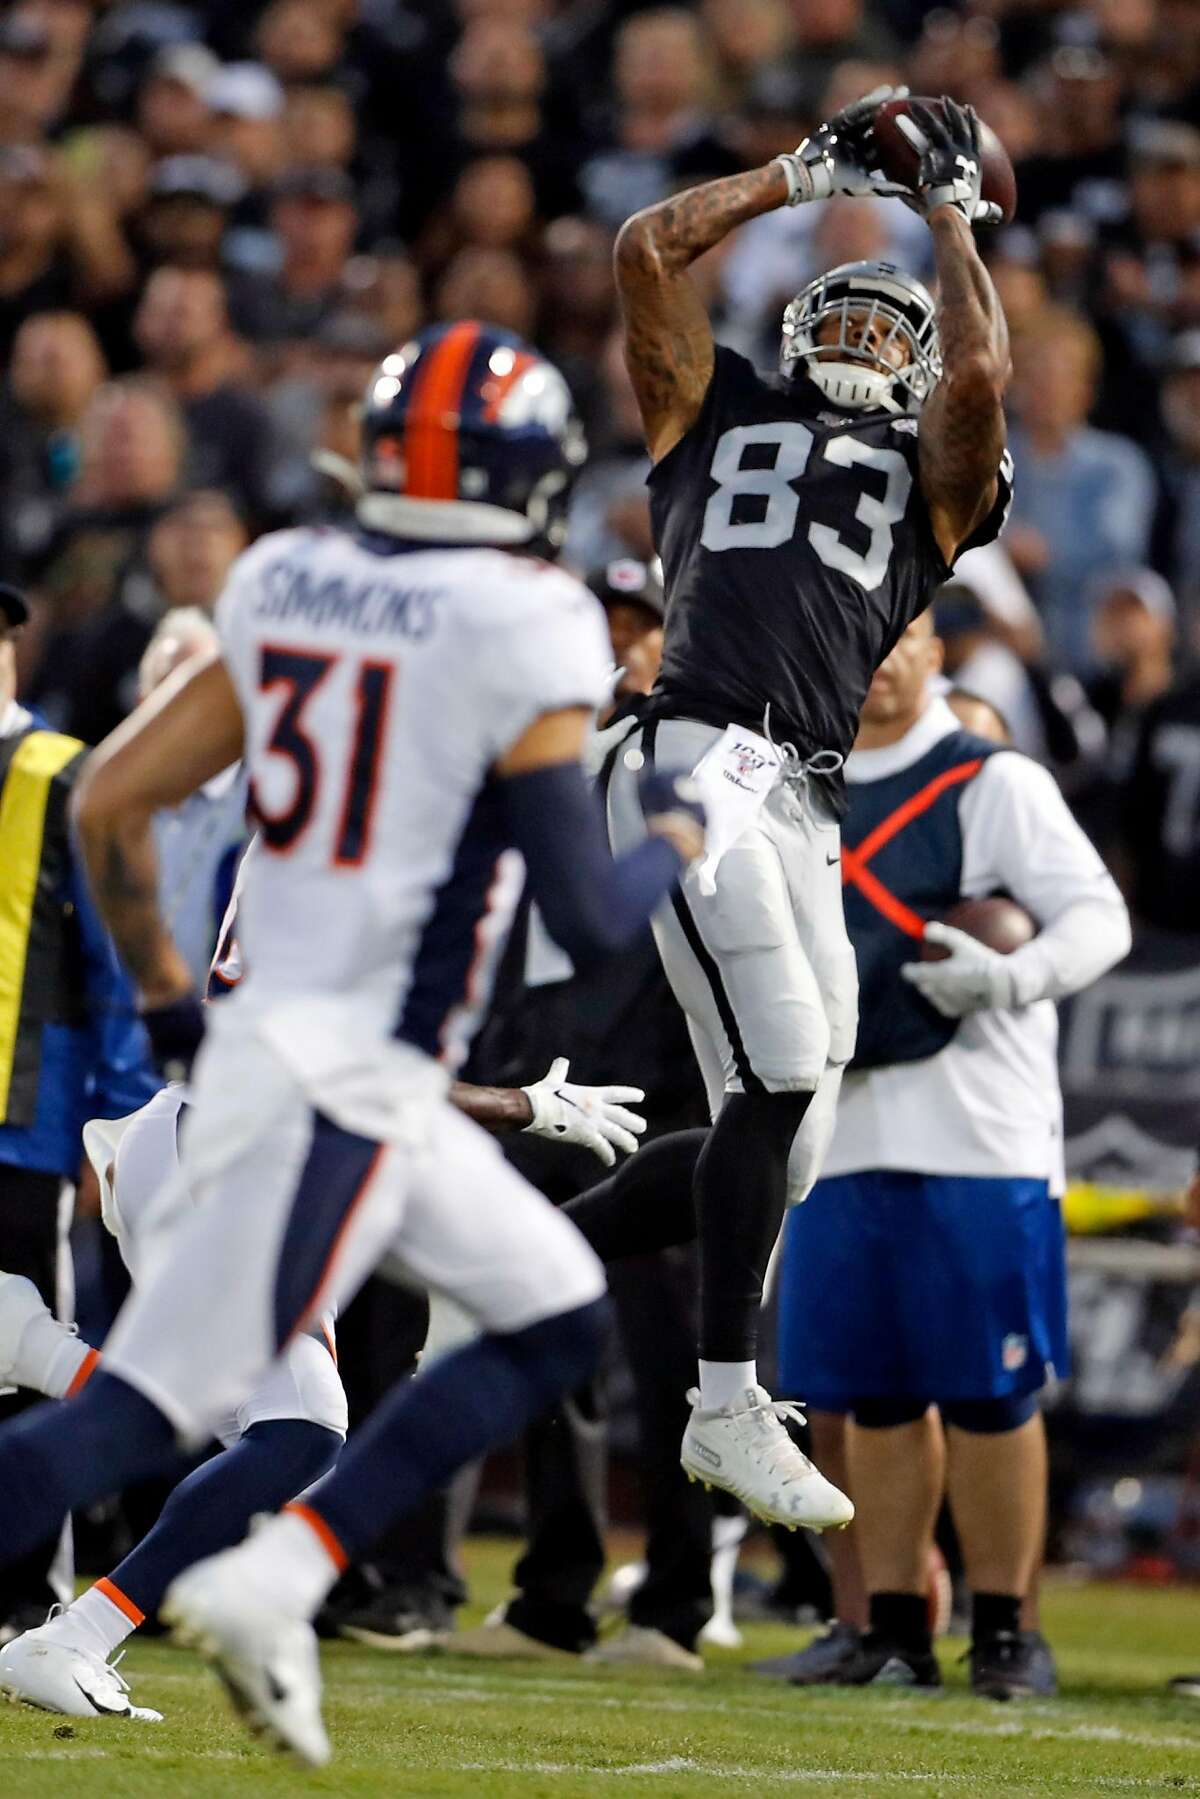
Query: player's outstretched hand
(596, 1117)
(176, 1032)
(951, 168)
(972, 978)
(840, 156)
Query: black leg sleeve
(741, 1192)
(647, 1204)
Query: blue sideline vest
(902, 866)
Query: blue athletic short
(918, 1286)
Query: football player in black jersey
(803, 522)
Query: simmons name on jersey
(797, 547)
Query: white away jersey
(379, 684)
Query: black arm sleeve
(592, 904)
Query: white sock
(724, 1383)
(50, 1356)
(290, 1563)
(94, 1623)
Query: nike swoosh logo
(832, 861)
(278, 1693)
(106, 1711)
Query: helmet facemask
(856, 297)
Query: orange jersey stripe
(885, 901)
(431, 436)
(855, 872)
(121, 1600)
(912, 808)
(322, 1532)
(83, 1375)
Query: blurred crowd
(215, 218)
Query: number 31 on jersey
(793, 443)
(298, 674)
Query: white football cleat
(267, 1659)
(37, 1669)
(20, 1304)
(745, 1450)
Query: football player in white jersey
(283, 1437)
(412, 701)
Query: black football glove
(840, 156)
(951, 165)
(176, 1032)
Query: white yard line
(1032, 1724)
(679, 1764)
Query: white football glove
(597, 1117)
(840, 156)
(973, 978)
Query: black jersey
(797, 547)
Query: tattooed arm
(668, 339)
(962, 423)
(188, 731)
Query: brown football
(1000, 923)
(900, 161)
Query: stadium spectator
(182, 329)
(491, 205)
(299, 41)
(1133, 643)
(247, 102)
(55, 370)
(189, 204)
(314, 217)
(1083, 498)
(60, 245)
(186, 558)
(171, 110)
(319, 126)
(1178, 526)
(610, 509)
(578, 306)
(384, 288)
(134, 444)
(1159, 827)
(487, 284)
(192, 548)
(664, 79)
(499, 76)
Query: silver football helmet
(858, 378)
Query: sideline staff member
(70, 1045)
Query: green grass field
(446, 1726)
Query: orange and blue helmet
(469, 436)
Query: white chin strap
(851, 385)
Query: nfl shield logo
(1014, 1352)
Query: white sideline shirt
(989, 1103)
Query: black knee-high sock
(647, 1204)
(741, 1191)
